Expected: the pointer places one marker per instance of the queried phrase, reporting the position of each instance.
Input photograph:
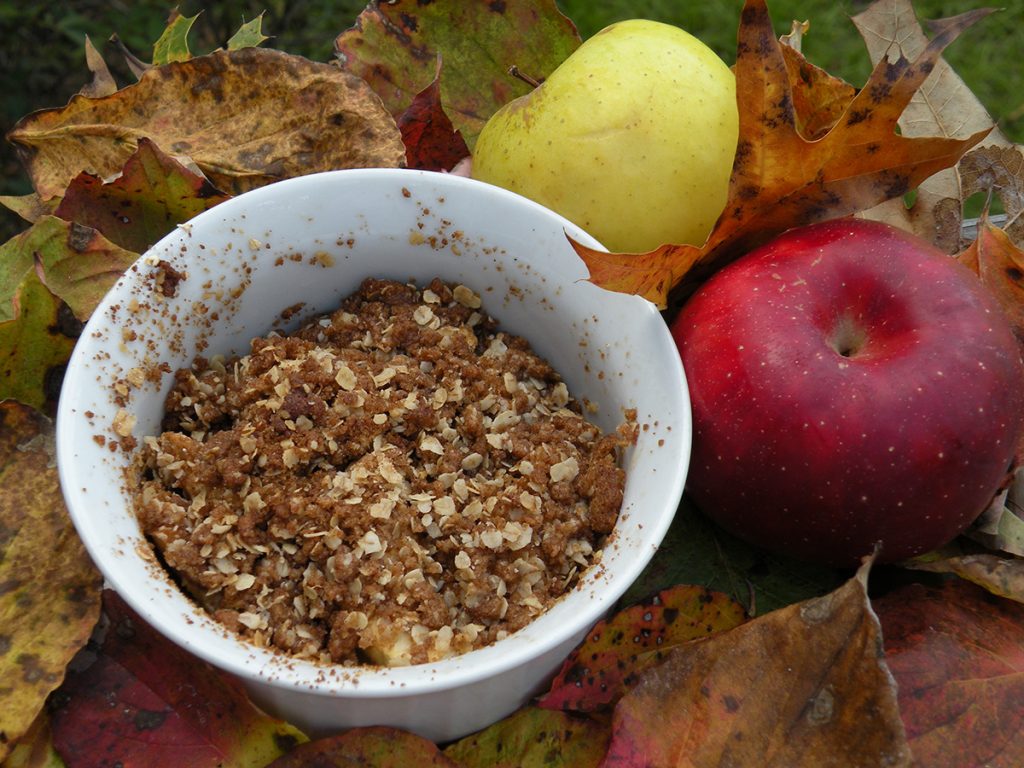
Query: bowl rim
(592, 599)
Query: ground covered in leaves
(721, 653)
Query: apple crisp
(394, 483)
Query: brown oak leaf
(780, 179)
(801, 686)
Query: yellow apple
(631, 138)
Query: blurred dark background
(42, 59)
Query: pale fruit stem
(515, 72)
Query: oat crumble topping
(394, 483)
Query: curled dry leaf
(819, 99)
(245, 117)
(956, 654)
(1000, 265)
(535, 738)
(801, 686)
(998, 574)
(376, 747)
(608, 662)
(1001, 526)
(391, 42)
(943, 106)
(146, 702)
(780, 179)
(43, 621)
(431, 143)
(30, 207)
(152, 194)
(1000, 170)
(102, 83)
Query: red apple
(850, 384)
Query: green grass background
(42, 61)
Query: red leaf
(377, 747)
(146, 702)
(431, 143)
(607, 663)
(956, 653)
(153, 194)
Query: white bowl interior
(313, 240)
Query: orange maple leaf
(999, 265)
(783, 179)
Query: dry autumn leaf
(75, 262)
(49, 268)
(35, 748)
(802, 686)
(616, 651)
(390, 42)
(246, 118)
(431, 143)
(535, 738)
(942, 106)
(956, 654)
(1001, 526)
(1000, 266)
(152, 194)
(998, 170)
(30, 207)
(102, 83)
(43, 621)
(780, 179)
(145, 701)
(998, 574)
(375, 747)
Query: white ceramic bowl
(339, 228)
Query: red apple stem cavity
(848, 337)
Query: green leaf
(76, 263)
(373, 747)
(32, 346)
(153, 194)
(249, 35)
(478, 42)
(49, 265)
(173, 43)
(535, 738)
(696, 551)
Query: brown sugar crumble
(394, 483)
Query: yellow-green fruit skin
(631, 138)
